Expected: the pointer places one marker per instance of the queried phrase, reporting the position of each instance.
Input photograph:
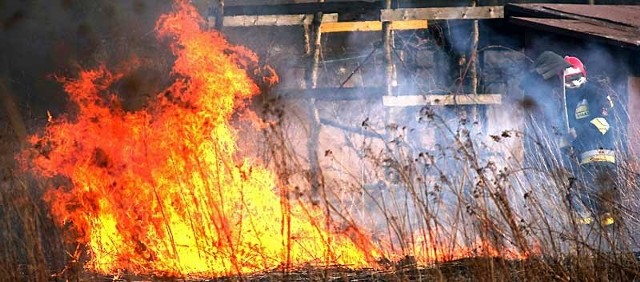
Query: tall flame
(161, 190)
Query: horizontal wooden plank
(371, 26)
(442, 13)
(409, 24)
(377, 93)
(350, 7)
(441, 100)
(350, 26)
(274, 20)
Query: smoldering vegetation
(467, 194)
(474, 198)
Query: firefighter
(584, 130)
(592, 140)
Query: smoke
(401, 171)
(398, 169)
(383, 162)
(41, 39)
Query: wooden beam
(315, 177)
(371, 26)
(350, 7)
(443, 13)
(376, 93)
(274, 20)
(351, 26)
(218, 14)
(409, 24)
(388, 46)
(441, 100)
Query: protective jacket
(590, 115)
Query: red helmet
(576, 63)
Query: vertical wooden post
(216, 14)
(315, 174)
(220, 16)
(473, 65)
(391, 128)
(387, 39)
(316, 49)
(307, 39)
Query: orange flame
(161, 190)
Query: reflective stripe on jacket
(597, 156)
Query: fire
(162, 190)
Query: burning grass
(170, 192)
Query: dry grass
(30, 245)
(468, 187)
(464, 190)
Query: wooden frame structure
(275, 20)
(329, 17)
(324, 17)
(442, 13)
(327, 27)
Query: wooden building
(605, 37)
(338, 31)
(385, 57)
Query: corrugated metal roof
(613, 24)
(622, 14)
